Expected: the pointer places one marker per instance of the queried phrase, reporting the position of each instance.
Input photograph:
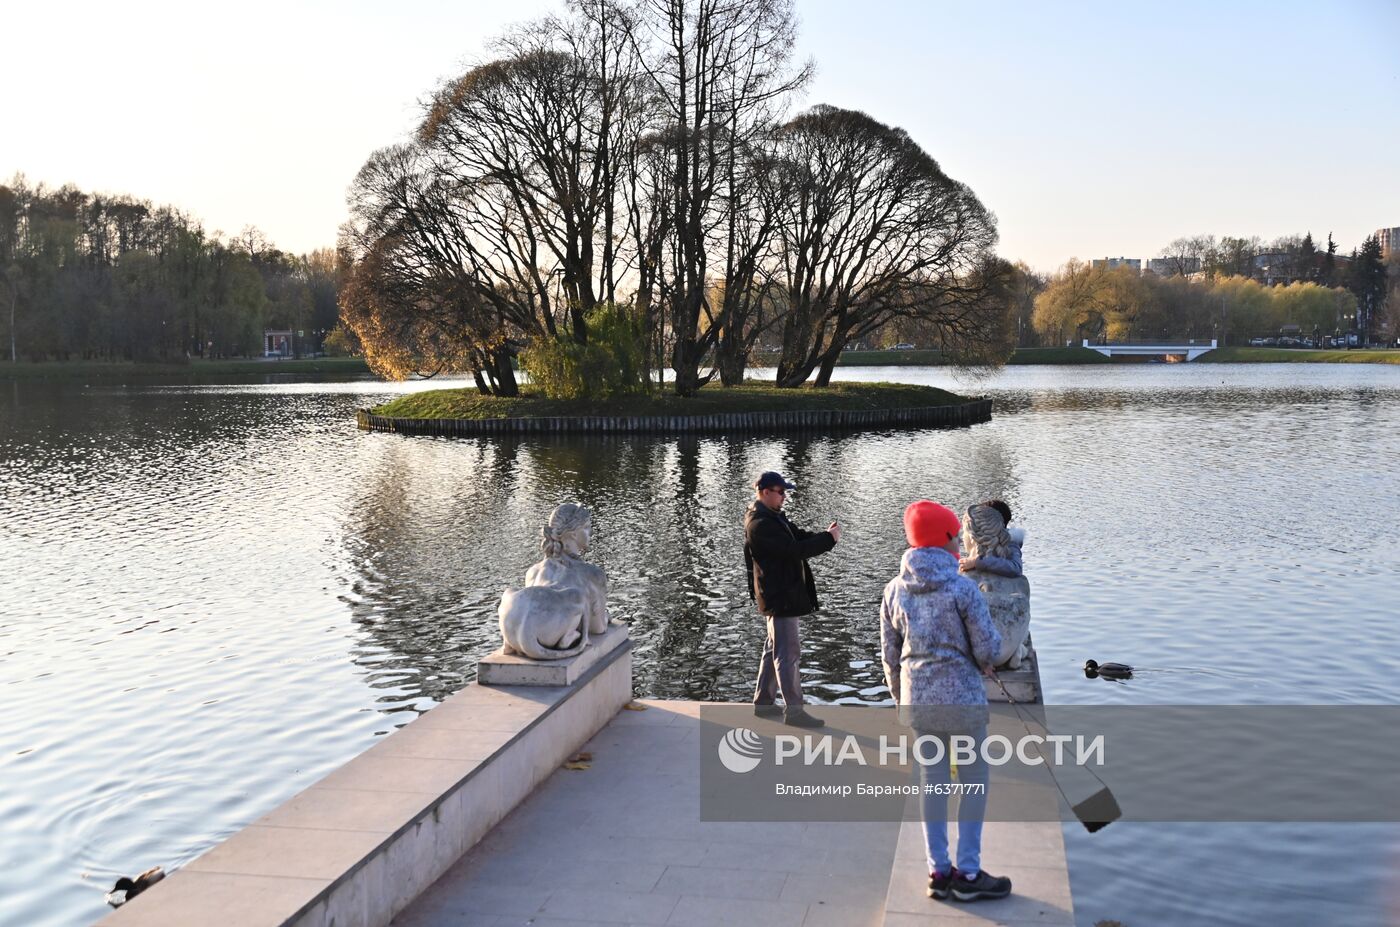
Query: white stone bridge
(1178, 351)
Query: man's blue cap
(769, 479)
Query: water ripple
(217, 594)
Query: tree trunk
(827, 365)
(504, 373)
(731, 358)
(579, 321)
(687, 366)
(687, 378)
(792, 374)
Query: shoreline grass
(1300, 356)
(70, 370)
(751, 397)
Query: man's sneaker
(985, 885)
(800, 718)
(767, 711)
(940, 885)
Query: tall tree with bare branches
(875, 231)
(426, 293)
(721, 70)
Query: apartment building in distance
(1390, 241)
(1109, 263)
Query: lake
(217, 594)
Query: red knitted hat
(928, 524)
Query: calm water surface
(215, 595)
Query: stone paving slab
(622, 843)
(294, 852)
(1031, 854)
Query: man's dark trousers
(778, 667)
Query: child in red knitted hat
(935, 635)
(928, 524)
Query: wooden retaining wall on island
(952, 416)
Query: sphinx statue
(992, 559)
(564, 600)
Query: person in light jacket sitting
(935, 635)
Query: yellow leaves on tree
(1118, 304)
(401, 336)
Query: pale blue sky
(1089, 128)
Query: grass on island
(1300, 356)
(195, 367)
(751, 397)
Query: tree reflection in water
(442, 526)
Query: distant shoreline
(73, 370)
(356, 366)
(1022, 356)
(1300, 356)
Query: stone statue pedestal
(500, 669)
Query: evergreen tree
(1368, 282)
(1307, 258)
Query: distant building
(277, 343)
(1390, 241)
(1280, 268)
(1109, 263)
(1275, 267)
(1173, 267)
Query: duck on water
(1093, 670)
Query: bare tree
(533, 139)
(1027, 284)
(425, 270)
(749, 298)
(633, 151)
(721, 70)
(251, 240)
(1187, 255)
(873, 231)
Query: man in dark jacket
(781, 584)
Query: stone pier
(472, 815)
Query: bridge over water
(1179, 351)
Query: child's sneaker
(939, 885)
(985, 885)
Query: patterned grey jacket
(933, 622)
